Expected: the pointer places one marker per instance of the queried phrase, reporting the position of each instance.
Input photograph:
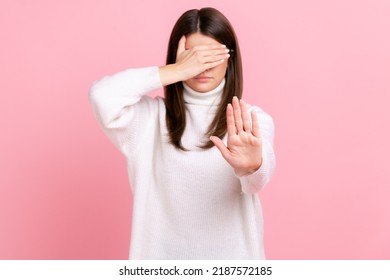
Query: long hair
(212, 23)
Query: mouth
(203, 78)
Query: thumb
(221, 147)
(181, 46)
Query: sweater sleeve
(256, 181)
(120, 105)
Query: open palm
(244, 143)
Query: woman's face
(211, 78)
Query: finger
(221, 147)
(209, 47)
(245, 116)
(210, 55)
(255, 125)
(207, 55)
(213, 52)
(181, 46)
(237, 114)
(218, 58)
(209, 65)
(231, 128)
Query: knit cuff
(254, 182)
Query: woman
(197, 157)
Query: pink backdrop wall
(320, 68)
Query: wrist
(169, 74)
(248, 170)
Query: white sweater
(186, 205)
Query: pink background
(320, 68)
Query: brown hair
(212, 23)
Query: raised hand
(193, 61)
(198, 59)
(244, 143)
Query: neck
(209, 98)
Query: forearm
(254, 182)
(111, 94)
(118, 105)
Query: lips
(203, 78)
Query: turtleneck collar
(209, 98)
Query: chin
(202, 87)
